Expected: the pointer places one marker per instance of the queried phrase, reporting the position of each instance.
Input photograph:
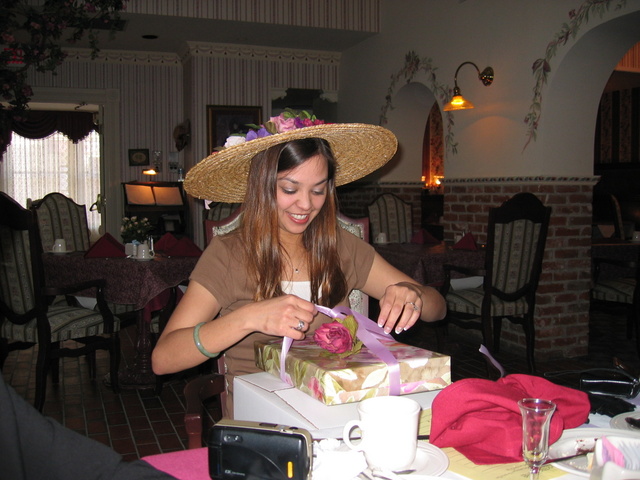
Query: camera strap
(368, 332)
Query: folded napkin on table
(481, 418)
(425, 238)
(334, 462)
(106, 247)
(466, 243)
(165, 242)
(183, 247)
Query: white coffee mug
(381, 238)
(59, 246)
(389, 427)
(144, 253)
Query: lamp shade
(458, 102)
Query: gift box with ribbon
(382, 367)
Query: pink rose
(333, 337)
(283, 124)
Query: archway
(568, 122)
(411, 107)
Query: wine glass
(536, 416)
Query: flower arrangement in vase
(135, 230)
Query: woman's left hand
(400, 307)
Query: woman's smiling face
(301, 194)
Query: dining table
(424, 262)
(193, 464)
(140, 286)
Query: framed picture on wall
(138, 157)
(225, 120)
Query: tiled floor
(138, 423)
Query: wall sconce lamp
(458, 102)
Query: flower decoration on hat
(285, 122)
(339, 338)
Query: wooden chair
(516, 237)
(27, 318)
(213, 227)
(196, 392)
(621, 289)
(388, 213)
(60, 217)
(358, 300)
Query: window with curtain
(31, 168)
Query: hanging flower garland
(31, 37)
(542, 66)
(412, 66)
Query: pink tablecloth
(184, 465)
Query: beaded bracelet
(196, 339)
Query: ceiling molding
(255, 52)
(121, 56)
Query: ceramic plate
(576, 439)
(430, 460)
(143, 259)
(62, 253)
(619, 421)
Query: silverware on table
(568, 457)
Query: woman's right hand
(285, 316)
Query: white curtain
(32, 168)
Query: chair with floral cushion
(389, 214)
(516, 237)
(26, 316)
(60, 217)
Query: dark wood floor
(137, 422)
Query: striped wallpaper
(159, 90)
(356, 15)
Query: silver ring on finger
(300, 326)
(413, 305)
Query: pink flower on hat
(283, 124)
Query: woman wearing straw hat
(264, 279)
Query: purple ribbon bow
(368, 332)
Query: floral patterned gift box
(334, 380)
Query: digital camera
(250, 451)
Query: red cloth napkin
(183, 248)
(466, 243)
(106, 247)
(165, 243)
(481, 418)
(425, 238)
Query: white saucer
(430, 460)
(142, 259)
(62, 253)
(619, 421)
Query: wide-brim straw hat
(359, 149)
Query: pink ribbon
(368, 332)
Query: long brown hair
(261, 233)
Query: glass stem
(533, 473)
